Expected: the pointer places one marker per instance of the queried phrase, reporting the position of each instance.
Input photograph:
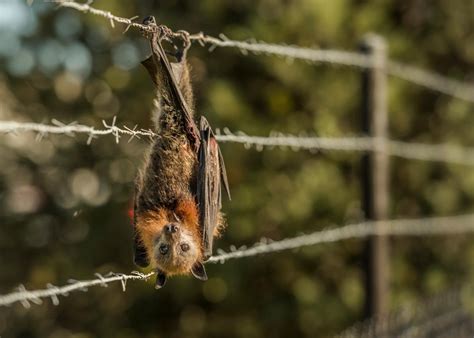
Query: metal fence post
(375, 171)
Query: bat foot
(167, 34)
(160, 279)
(182, 52)
(149, 20)
(199, 271)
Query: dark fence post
(375, 172)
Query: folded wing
(211, 177)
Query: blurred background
(64, 204)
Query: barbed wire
(425, 78)
(73, 128)
(409, 150)
(402, 227)
(405, 227)
(26, 297)
(431, 80)
(294, 142)
(291, 52)
(444, 314)
(445, 153)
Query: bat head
(176, 251)
(172, 241)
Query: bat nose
(171, 228)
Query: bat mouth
(176, 266)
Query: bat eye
(185, 247)
(164, 249)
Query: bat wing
(211, 177)
(211, 171)
(157, 66)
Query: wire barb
(410, 227)
(445, 153)
(25, 296)
(425, 78)
(404, 227)
(73, 128)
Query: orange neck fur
(150, 224)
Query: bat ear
(160, 279)
(198, 271)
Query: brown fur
(165, 187)
(150, 224)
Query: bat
(178, 192)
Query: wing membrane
(211, 176)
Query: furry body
(165, 186)
(167, 216)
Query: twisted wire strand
(446, 321)
(310, 55)
(446, 153)
(418, 227)
(409, 150)
(431, 80)
(409, 227)
(276, 139)
(416, 75)
(58, 127)
(291, 52)
(418, 319)
(26, 297)
(403, 227)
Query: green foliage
(63, 204)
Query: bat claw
(160, 279)
(167, 34)
(185, 36)
(149, 20)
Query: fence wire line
(410, 150)
(404, 227)
(417, 151)
(407, 227)
(431, 80)
(445, 313)
(26, 297)
(290, 52)
(425, 78)
(73, 128)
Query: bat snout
(171, 228)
